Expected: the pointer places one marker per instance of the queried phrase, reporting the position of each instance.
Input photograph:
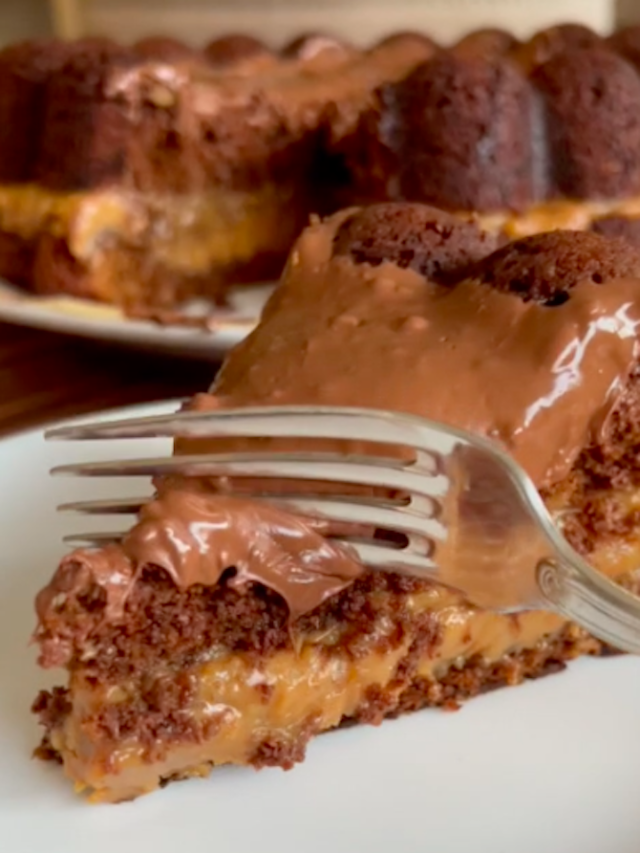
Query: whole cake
(144, 175)
(224, 630)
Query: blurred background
(276, 21)
(45, 375)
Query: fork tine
(106, 506)
(115, 506)
(102, 538)
(371, 471)
(276, 422)
(384, 557)
(402, 520)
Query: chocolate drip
(195, 536)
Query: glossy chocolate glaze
(195, 536)
(540, 379)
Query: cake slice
(223, 630)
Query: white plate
(107, 323)
(549, 767)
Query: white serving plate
(99, 322)
(549, 767)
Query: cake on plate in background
(149, 174)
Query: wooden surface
(45, 377)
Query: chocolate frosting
(540, 379)
(195, 536)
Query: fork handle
(607, 611)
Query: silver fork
(471, 518)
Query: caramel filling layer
(221, 227)
(189, 233)
(291, 694)
(315, 688)
(558, 215)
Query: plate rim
(97, 321)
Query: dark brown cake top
(554, 41)
(233, 48)
(430, 241)
(591, 99)
(464, 128)
(163, 48)
(487, 125)
(490, 124)
(546, 267)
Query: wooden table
(45, 377)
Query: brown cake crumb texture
(545, 267)
(436, 244)
(163, 623)
(494, 124)
(154, 719)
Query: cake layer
(138, 249)
(162, 100)
(107, 117)
(210, 174)
(155, 249)
(120, 739)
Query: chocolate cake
(225, 630)
(148, 174)
(533, 136)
